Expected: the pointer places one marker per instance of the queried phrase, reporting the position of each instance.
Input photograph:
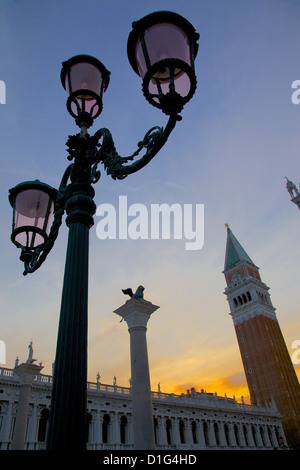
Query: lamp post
(161, 48)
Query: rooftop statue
(30, 359)
(139, 294)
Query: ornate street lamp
(33, 206)
(85, 79)
(162, 48)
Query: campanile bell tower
(268, 367)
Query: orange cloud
(231, 386)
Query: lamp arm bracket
(153, 141)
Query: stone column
(232, 438)
(26, 373)
(97, 438)
(241, 435)
(266, 436)
(161, 433)
(130, 438)
(176, 434)
(32, 427)
(223, 442)
(258, 437)
(200, 435)
(274, 438)
(211, 434)
(250, 436)
(116, 430)
(136, 313)
(188, 433)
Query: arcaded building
(189, 421)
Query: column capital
(27, 372)
(136, 312)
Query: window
(242, 299)
(254, 435)
(216, 431)
(105, 426)
(271, 437)
(168, 431)
(226, 431)
(236, 434)
(205, 432)
(262, 435)
(155, 422)
(262, 297)
(245, 432)
(87, 429)
(182, 431)
(43, 425)
(194, 432)
(123, 429)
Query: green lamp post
(161, 48)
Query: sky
(238, 139)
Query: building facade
(268, 367)
(191, 421)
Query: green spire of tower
(234, 251)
